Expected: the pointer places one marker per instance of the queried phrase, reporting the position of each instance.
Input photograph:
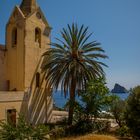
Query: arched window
(38, 36)
(14, 37)
(37, 79)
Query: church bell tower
(27, 38)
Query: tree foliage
(93, 100)
(132, 114)
(117, 108)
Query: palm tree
(72, 62)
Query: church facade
(22, 83)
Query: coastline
(60, 100)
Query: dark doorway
(11, 116)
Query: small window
(11, 116)
(14, 37)
(37, 79)
(47, 31)
(38, 36)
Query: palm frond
(63, 67)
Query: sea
(60, 100)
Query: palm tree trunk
(72, 101)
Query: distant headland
(119, 89)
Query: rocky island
(119, 89)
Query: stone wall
(2, 68)
(10, 100)
(15, 55)
(37, 109)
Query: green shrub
(132, 114)
(39, 132)
(82, 127)
(22, 131)
(57, 132)
(123, 131)
(117, 108)
(7, 132)
(85, 126)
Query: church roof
(28, 6)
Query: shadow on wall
(37, 104)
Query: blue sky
(114, 23)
